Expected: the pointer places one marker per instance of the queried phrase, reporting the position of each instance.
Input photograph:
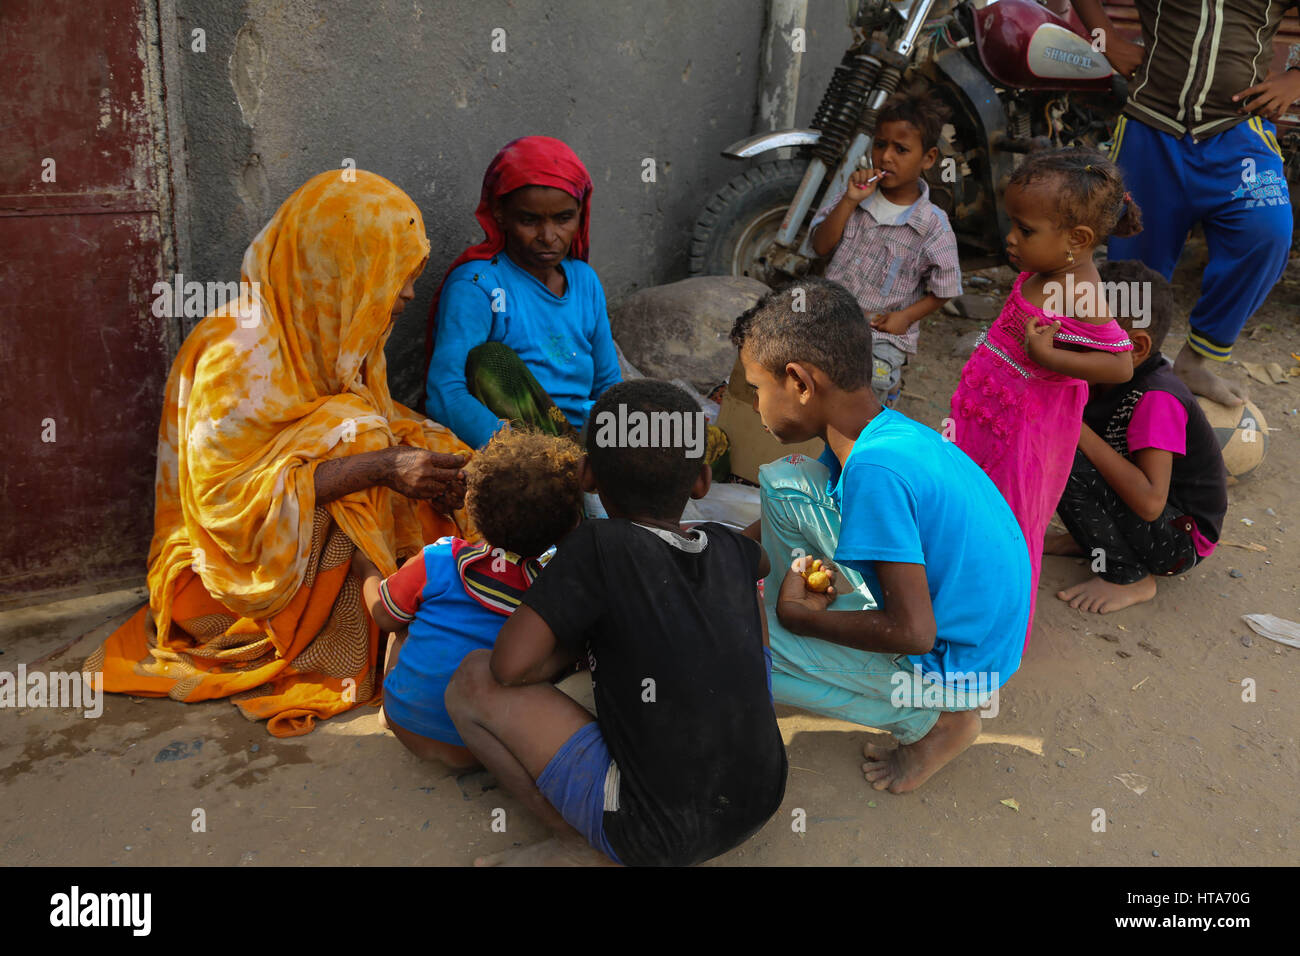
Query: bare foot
(1103, 597)
(907, 767)
(556, 851)
(1197, 374)
(1060, 542)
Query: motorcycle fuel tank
(1026, 46)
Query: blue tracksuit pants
(1233, 184)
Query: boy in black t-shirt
(685, 760)
(1148, 490)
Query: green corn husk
(498, 378)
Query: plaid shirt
(890, 266)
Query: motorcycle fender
(983, 100)
(766, 142)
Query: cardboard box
(752, 444)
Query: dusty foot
(1103, 597)
(911, 765)
(552, 852)
(1060, 542)
(1197, 373)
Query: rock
(1060, 763)
(1155, 852)
(1234, 573)
(1246, 641)
(966, 344)
(984, 308)
(682, 330)
(1270, 512)
(255, 748)
(1003, 275)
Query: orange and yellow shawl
(250, 590)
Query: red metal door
(84, 235)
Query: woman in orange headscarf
(279, 453)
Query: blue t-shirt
(448, 625)
(564, 340)
(907, 495)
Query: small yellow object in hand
(816, 578)
(818, 581)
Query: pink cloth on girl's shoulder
(1019, 421)
(1159, 421)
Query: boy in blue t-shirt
(452, 598)
(937, 589)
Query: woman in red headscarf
(519, 330)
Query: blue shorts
(413, 697)
(1234, 184)
(581, 782)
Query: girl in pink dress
(1018, 408)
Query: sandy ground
(1153, 692)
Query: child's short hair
(522, 490)
(814, 321)
(1160, 303)
(643, 480)
(924, 112)
(1087, 187)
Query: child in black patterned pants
(1148, 490)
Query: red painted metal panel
(79, 256)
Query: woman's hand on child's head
(861, 185)
(422, 474)
(1038, 339)
(891, 323)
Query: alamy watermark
(1085, 300)
(75, 908)
(951, 690)
(633, 428)
(73, 690)
(194, 300)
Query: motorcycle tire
(741, 218)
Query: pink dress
(1020, 422)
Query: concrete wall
(413, 91)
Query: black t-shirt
(675, 644)
(1198, 484)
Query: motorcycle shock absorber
(845, 97)
(886, 83)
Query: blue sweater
(564, 340)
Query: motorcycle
(1015, 77)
